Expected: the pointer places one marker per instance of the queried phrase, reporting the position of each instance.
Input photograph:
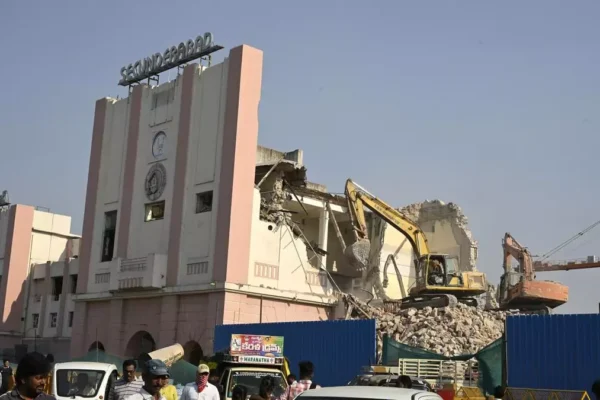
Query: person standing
(202, 389)
(30, 379)
(239, 392)
(128, 384)
(155, 376)
(6, 374)
(307, 371)
(169, 391)
(265, 390)
(291, 379)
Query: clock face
(156, 180)
(159, 144)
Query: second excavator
(438, 281)
(519, 288)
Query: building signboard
(257, 346)
(172, 57)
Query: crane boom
(549, 267)
(358, 198)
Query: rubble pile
(449, 331)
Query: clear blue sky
(492, 105)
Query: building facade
(38, 267)
(187, 220)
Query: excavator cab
(439, 283)
(438, 270)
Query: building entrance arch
(140, 343)
(192, 352)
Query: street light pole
(35, 338)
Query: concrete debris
(447, 331)
(447, 230)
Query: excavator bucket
(357, 254)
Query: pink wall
(181, 319)
(133, 134)
(16, 266)
(181, 166)
(238, 162)
(91, 197)
(168, 319)
(244, 309)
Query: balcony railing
(144, 273)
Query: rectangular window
(35, 319)
(53, 319)
(102, 278)
(70, 319)
(204, 202)
(73, 284)
(57, 287)
(197, 268)
(155, 211)
(108, 238)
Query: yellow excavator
(438, 280)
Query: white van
(83, 380)
(366, 392)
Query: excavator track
(433, 301)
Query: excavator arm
(358, 198)
(512, 248)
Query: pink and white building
(189, 223)
(38, 270)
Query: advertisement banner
(257, 345)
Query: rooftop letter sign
(170, 58)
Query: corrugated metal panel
(553, 352)
(338, 349)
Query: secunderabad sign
(172, 57)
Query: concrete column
(323, 234)
(79, 331)
(45, 298)
(66, 289)
(115, 328)
(169, 310)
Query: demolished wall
(446, 228)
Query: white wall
(280, 249)
(204, 158)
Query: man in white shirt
(201, 389)
(155, 375)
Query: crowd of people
(31, 379)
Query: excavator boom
(358, 198)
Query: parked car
(83, 380)
(365, 392)
(389, 381)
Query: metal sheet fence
(338, 349)
(539, 394)
(560, 352)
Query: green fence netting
(182, 372)
(490, 359)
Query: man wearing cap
(30, 379)
(202, 389)
(155, 375)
